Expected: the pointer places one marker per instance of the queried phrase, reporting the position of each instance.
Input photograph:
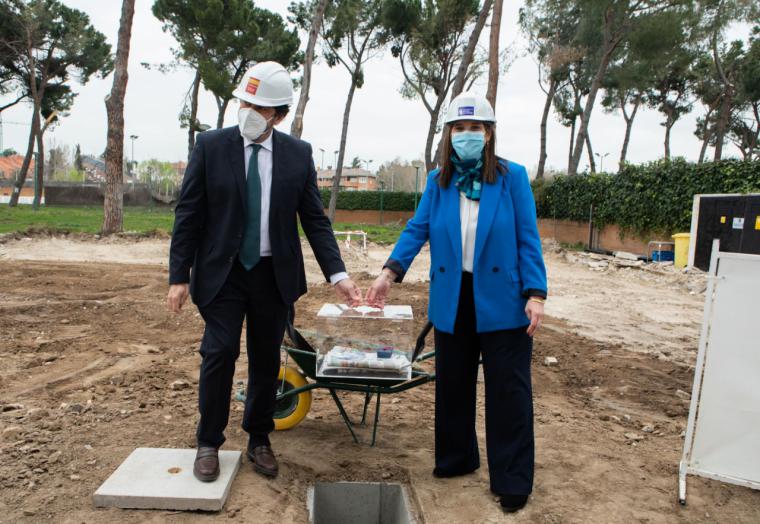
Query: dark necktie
(250, 250)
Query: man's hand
(535, 311)
(177, 296)
(348, 292)
(378, 292)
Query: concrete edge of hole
(412, 510)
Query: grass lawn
(81, 219)
(139, 219)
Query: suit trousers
(250, 295)
(509, 402)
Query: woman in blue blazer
(487, 289)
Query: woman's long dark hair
(490, 161)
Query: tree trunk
(296, 127)
(113, 203)
(611, 45)
(341, 152)
(222, 108)
(469, 51)
(591, 162)
(628, 127)
(668, 127)
(572, 144)
(430, 163)
(708, 134)
(493, 53)
(193, 114)
(544, 119)
(705, 143)
(724, 116)
(21, 177)
(36, 92)
(756, 137)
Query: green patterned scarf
(469, 175)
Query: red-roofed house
(9, 168)
(10, 165)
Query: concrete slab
(154, 478)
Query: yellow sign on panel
(757, 223)
(723, 220)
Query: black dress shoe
(206, 467)
(264, 461)
(513, 503)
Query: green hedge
(370, 200)
(653, 197)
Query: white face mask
(252, 125)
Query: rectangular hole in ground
(358, 503)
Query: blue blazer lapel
(237, 163)
(489, 202)
(453, 220)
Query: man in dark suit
(236, 227)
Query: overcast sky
(383, 125)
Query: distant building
(9, 168)
(11, 165)
(94, 168)
(351, 179)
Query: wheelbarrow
(296, 383)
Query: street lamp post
(335, 162)
(416, 185)
(322, 164)
(132, 163)
(36, 201)
(382, 191)
(601, 161)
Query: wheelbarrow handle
(298, 340)
(420, 345)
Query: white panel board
(724, 422)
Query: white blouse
(468, 217)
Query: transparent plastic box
(364, 343)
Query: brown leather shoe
(264, 461)
(206, 467)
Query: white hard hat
(267, 84)
(469, 106)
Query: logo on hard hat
(253, 85)
(467, 111)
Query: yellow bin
(682, 249)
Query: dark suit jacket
(210, 216)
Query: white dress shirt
(265, 174)
(468, 216)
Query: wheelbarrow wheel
(291, 409)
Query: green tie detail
(250, 250)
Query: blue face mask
(469, 144)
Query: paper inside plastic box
(348, 340)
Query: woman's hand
(535, 311)
(378, 291)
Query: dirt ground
(88, 356)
